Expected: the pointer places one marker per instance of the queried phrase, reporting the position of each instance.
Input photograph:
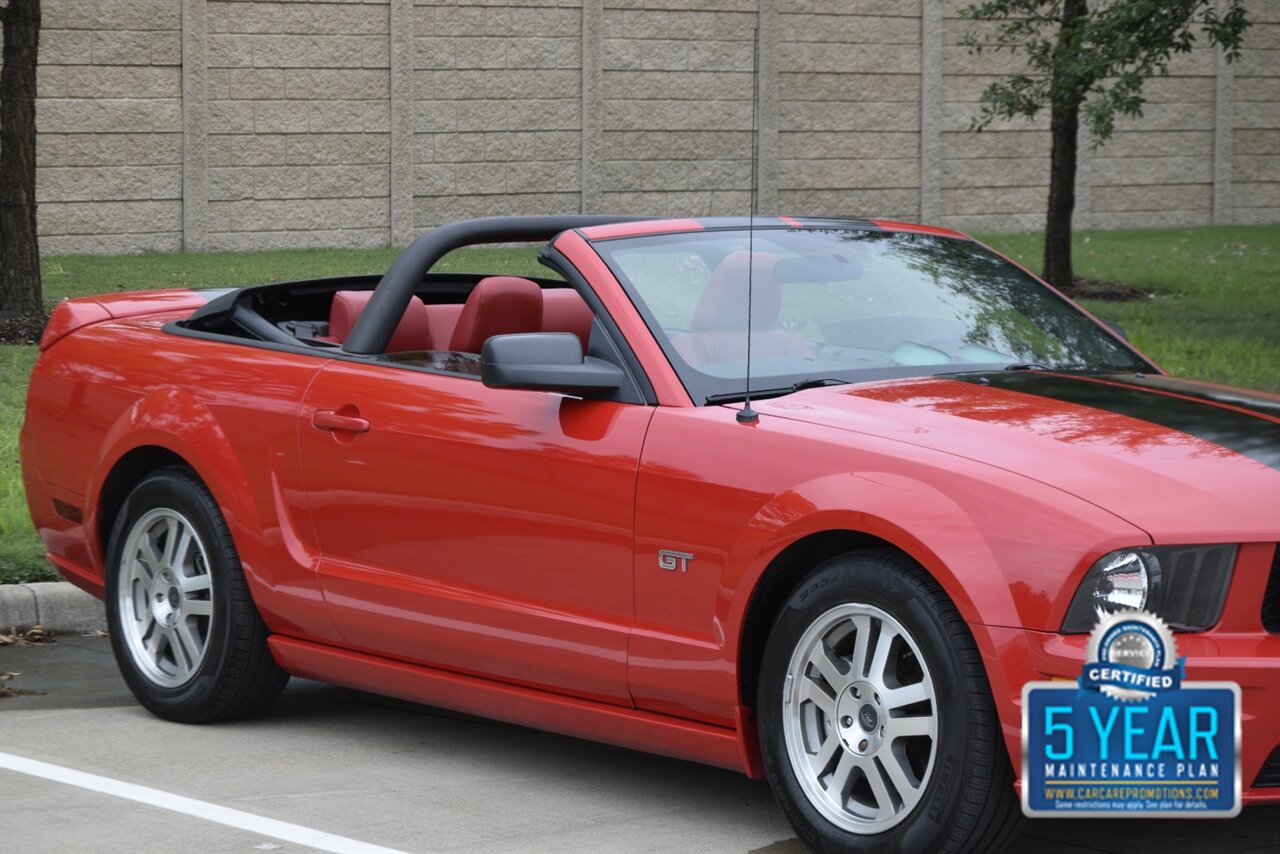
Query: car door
(482, 531)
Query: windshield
(839, 305)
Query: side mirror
(1116, 328)
(545, 361)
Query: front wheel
(189, 641)
(876, 721)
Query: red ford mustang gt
(549, 501)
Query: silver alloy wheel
(165, 597)
(860, 718)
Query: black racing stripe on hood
(1239, 398)
(1255, 437)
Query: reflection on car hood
(1183, 461)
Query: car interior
(718, 322)
(444, 325)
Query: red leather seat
(412, 333)
(443, 319)
(720, 318)
(563, 310)
(498, 305)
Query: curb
(59, 606)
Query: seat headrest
(498, 305)
(412, 333)
(443, 319)
(563, 310)
(723, 304)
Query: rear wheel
(876, 721)
(184, 629)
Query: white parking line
(190, 806)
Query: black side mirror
(545, 361)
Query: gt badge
(672, 560)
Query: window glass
(847, 305)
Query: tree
(20, 291)
(1091, 60)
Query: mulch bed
(1104, 290)
(21, 328)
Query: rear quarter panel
(229, 410)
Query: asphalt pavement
(337, 770)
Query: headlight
(1183, 585)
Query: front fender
(931, 527)
(1007, 550)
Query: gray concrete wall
(497, 109)
(109, 154)
(1251, 119)
(364, 122)
(299, 121)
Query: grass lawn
(84, 275)
(21, 554)
(1215, 306)
(1213, 313)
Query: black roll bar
(377, 323)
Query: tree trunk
(20, 290)
(1064, 124)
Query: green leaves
(1096, 60)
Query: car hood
(1184, 461)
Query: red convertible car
(549, 501)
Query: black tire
(965, 798)
(222, 668)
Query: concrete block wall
(298, 124)
(997, 179)
(497, 109)
(249, 124)
(1254, 119)
(849, 108)
(109, 157)
(675, 107)
(1158, 170)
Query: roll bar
(377, 323)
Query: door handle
(327, 419)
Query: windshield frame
(706, 390)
